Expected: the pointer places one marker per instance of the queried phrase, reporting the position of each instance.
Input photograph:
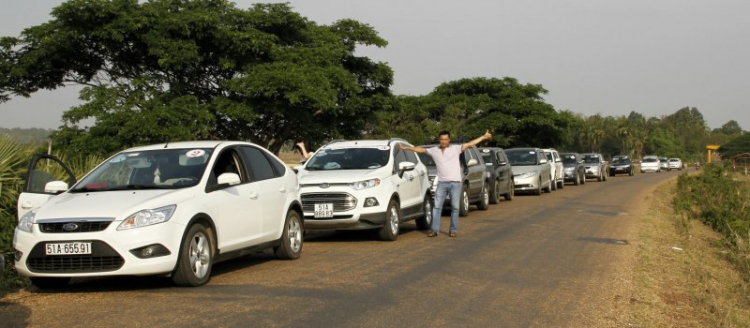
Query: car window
(426, 159)
(151, 169)
(520, 157)
(591, 159)
(228, 162)
(258, 164)
(399, 156)
(349, 158)
(411, 156)
(569, 159)
(488, 158)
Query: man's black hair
(444, 133)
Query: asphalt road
(559, 259)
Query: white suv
(173, 209)
(365, 184)
(556, 165)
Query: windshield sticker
(118, 159)
(359, 146)
(195, 153)
(133, 154)
(532, 152)
(485, 150)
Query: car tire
(549, 187)
(561, 184)
(495, 195)
(195, 258)
(577, 181)
(290, 247)
(425, 221)
(538, 191)
(484, 198)
(464, 203)
(389, 231)
(511, 191)
(49, 283)
(600, 178)
(552, 184)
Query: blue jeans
(443, 188)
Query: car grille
(341, 201)
(102, 259)
(73, 226)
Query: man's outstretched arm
(418, 150)
(476, 141)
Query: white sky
(594, 56)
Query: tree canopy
(167, 70)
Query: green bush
(720, 198)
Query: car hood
(525, 168)
(107, 204)
(339, 176)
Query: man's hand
(487, 135)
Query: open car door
(46, 177)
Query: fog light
(370, 202)
(18, 256)
(150, 251)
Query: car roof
(184, 145)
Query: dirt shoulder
(681, 277)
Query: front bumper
(569, 176)
(651, 168)
(620, 169)
(526, 184)
(352, 217)
(111, 252)
(592, 173)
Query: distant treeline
(28, 136)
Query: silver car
(595, 166)
(531, 170)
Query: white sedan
(170, 209)
(675, 163)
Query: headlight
(528, 174)
(148, 217)
(27, 221)
(364, 184)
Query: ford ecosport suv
(365, 184)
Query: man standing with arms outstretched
(448, 161)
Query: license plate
(324, 210)
(68, 249)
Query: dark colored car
(476, 182)
(621, 164)
(573, 169)
(501, 175)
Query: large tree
(167, 70)
(515, 113)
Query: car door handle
(253, 195)
(282, 190)
(27, 206)
(411, 177)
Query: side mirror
(543, 161)
(303, 161)
(405, 166)
(298, 168)
(55, 187)
(226, 180)
(502, 163)
(472, 162)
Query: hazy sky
(609, 57)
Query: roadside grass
(696, 284)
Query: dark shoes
(434, 234)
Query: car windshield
(569, 159)
(650, 160)
(488, 159)
(674, 160)
(354, 158)
(591, 159)
(663, 160)
(426, 159)
(151, 169)
(520, 157)
(621, 160)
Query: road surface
(559, 259)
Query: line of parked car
(176, 209)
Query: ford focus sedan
(170, 209)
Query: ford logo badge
(70, 227)
(324, 185)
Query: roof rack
(396, 139)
